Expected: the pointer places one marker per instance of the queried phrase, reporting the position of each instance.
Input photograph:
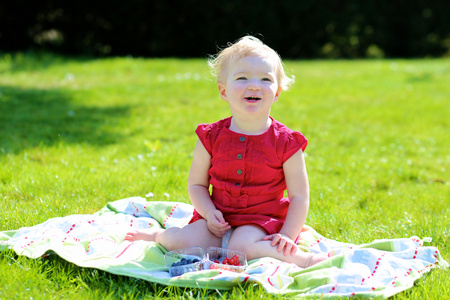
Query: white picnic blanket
(378, 269)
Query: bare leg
(248, 239)
(191, 235)
(143, 234)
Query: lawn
(76, 133)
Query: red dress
(246, 172)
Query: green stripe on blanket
(378, 269)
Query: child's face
(250, 85)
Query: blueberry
(189, 261)
(195, 260)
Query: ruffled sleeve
(294, 142)
(203, 132)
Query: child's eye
(266, 79)
(241, 78)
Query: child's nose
(254, 85)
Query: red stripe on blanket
(268, 279)
(97, 239)
(137, 209)
(126, 248)
(171, 213)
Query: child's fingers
(220, 232)
(217, 228)
(281, 245)
(219, 216)
(275, 238)
(129, 235)
(217, 232)
(290, 249)
(294, 250)
(222, 225)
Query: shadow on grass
(40, 117)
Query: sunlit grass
(76, 133)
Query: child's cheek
(243, 86)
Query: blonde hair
(244, 47)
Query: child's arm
(198, 187)
(298, 191)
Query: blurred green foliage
(194, 28)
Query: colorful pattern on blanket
(378, 269)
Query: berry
(184, 261)
(233, 261)
(230, 261)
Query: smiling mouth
(252, 98)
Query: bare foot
(144, 235)
(315, 259)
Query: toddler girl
(250, 159)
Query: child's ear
(277, 94)
(222, 91)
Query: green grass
(76, 133)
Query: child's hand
(216, 223)
(283, 242)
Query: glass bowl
(225, 259)
(184, 260)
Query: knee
(235, 246)
(180, 240)
(244, 246)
